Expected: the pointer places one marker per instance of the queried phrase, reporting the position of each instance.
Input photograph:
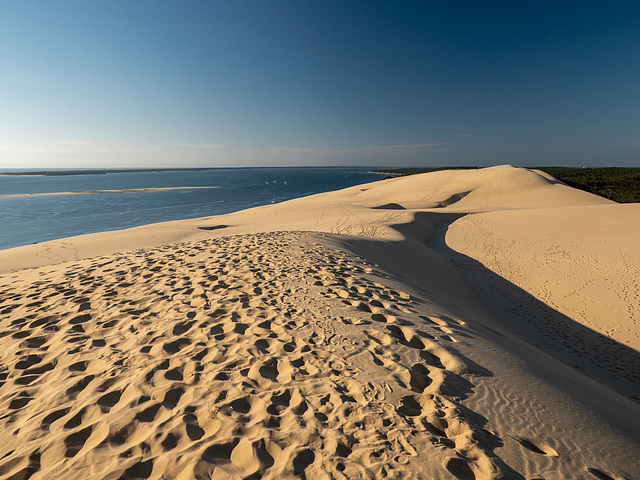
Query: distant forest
(621, 185)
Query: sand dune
(464, 324)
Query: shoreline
(325, 329)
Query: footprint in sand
(354, 321)
(408, 336)
(420, 378)
(22, 399)
(76, 441)
(383, 318)
(536, 447)
(600, 475)
(460, 468)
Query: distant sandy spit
(125, 190)
(342, 335)
(20, 175)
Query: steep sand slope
(583, 261)
(215, 348)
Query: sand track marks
(264, 356)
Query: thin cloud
(202, 146)
(345, 150)
(70, 142)
(414, 146)
(19, 149)
(295, 150)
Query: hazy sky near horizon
(332, 82)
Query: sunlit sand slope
(583, 261)
(260, 355)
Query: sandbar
(124, 190)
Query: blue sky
(252, 83)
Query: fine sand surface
(460, 324)
(125, 190)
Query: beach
(467, 324)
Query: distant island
(99, 171)
(619, 184)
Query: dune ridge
(341, 335)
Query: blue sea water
(26, 220)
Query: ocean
(29, 219)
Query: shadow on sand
(601, 358)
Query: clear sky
(301, 82)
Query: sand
(460, 324)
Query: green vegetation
(621, 185)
